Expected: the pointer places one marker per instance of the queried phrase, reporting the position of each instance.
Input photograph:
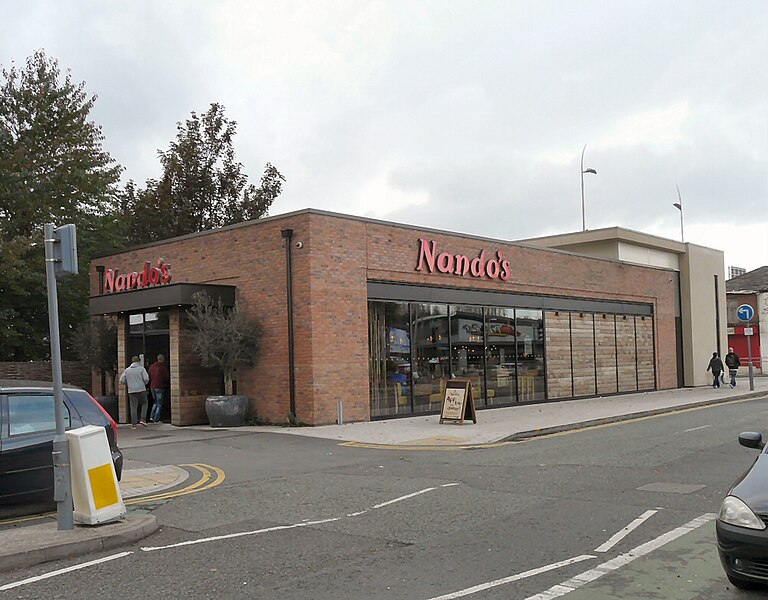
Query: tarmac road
(301, 518)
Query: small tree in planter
(95, 342)
(223, 337)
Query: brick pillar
(122, 394)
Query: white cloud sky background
(465, 116)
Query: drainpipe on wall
(288, 236)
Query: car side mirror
(751, 439)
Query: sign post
(60, 259)
(458, 403)
(745, 312)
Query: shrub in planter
(224, 337)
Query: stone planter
(226, 411)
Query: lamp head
(590, 171)
(677, 205)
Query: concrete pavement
(28, 545)
(527, 420)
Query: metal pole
(583, 213)
(680, 199)
(62, 484)
(749, 358)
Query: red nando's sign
(114, 281)
(492, 266)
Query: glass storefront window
(431, 366)
(501, 339)
(390, 358)
(156, 320)
(529, 329)
(136, 323)
(468, 348)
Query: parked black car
(27, 427)
(742, 525)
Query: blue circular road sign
(745, 312)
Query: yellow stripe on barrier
(103, 486)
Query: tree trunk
(228, 382)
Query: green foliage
(223, 337)
(95, 342)
(53, 169)
(202, 187)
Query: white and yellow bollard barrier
(95, 492)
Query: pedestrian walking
(136, 379)
(159, 379)
(733, 363)
(716, 365)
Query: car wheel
(743, 584)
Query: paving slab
(33, 544)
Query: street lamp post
(594, 172)
(679, 205)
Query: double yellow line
(210, 477)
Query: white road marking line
(449, 484)
(611, 565)
(10, 586)
(696, 428)
(616, 538)
(401, 498)
(497, 582)
(357, 514)
(239, 534)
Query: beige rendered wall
(643, 255)
(698, 268)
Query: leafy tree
(95, 342)
(202, 187)
(223, 336)
(53, 169)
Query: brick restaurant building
(378, 316)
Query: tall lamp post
(679, 205)
(583, 212)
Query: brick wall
(75, 373)
(330, 274)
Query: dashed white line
(10, 586)
(497, 582)
(616, 538)
(696, 428)
(576, 582)
(239, 534)
(282, 527)
(401, 498)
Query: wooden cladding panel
(625, 356)
(646, 379)
(558, 349)
(583, 343)
(605, 354)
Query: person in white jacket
(136, 378)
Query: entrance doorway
(148, 336)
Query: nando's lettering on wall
(492, 266)
(114, 281)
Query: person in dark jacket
(716, 366)
(159, 380)
(733, 363)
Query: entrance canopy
(177, 294)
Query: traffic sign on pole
(745, 313)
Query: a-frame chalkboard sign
(458, 402)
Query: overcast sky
(466, 116)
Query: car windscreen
(32, 413)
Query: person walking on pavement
(733, 363)
(136, 378)
(159, 379)
(716, 365)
